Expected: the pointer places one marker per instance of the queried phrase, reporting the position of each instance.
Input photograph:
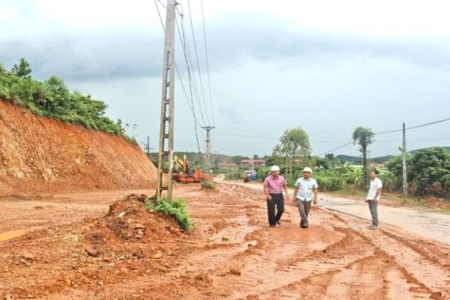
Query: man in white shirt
(373, 197)
(305, 191)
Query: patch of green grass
(209, 185)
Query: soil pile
(125, 244)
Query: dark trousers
(278, 201)
(373, 207)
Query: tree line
(428, 170)
(53, 99)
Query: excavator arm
(181, 163)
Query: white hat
(274, 168)
(307, 169)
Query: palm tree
(363, 137)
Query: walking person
(373, 197)
(274, 185)
(305, 191)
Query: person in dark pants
(274, 185)
(373, 197)
(305, 191)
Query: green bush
(176, 208)
(208, 185)
(53, 99)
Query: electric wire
(159, 13)
(196, 57)
(183, 42)
(349, 142)
(207, 65)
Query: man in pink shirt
(274, 185)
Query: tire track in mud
(333, 259)
(265, 267)
(424, 268)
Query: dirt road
(419, 222)
(93, 246)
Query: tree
(363, 137)
(430, 171)
(395, 166)
(329, 156)
(294, 143)
(21, 70)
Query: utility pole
(405, 179)
(208, 149)
(147, 147)
(166, 125)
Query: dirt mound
(434, 202)
(128, 242)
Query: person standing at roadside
(274, 185)
(305, 191)
(373, 197)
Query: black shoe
(273, 225)
(304, 225)
(278, 223)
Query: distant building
(252, 162)
(227, 165)
(376, 165)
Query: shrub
(208, 185)
(175, 208)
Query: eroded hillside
(44, 155)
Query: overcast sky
(324, 66)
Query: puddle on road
(11, 234)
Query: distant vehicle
(186, 175)
(250, 175)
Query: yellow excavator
(186, 175)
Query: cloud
(88, 57)
(309, 47)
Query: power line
(207, 61)
(414, 127)
(196, 57)
(160, 18)
(335, 148)
(347, 143)
(391, 131)
(183, 39)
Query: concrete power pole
(147, 147)
(405, 178)
(208, 149)
(166, 126)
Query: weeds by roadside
(176, 208)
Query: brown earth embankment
(40, 155)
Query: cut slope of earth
(47, 156)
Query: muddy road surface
(99, 246)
